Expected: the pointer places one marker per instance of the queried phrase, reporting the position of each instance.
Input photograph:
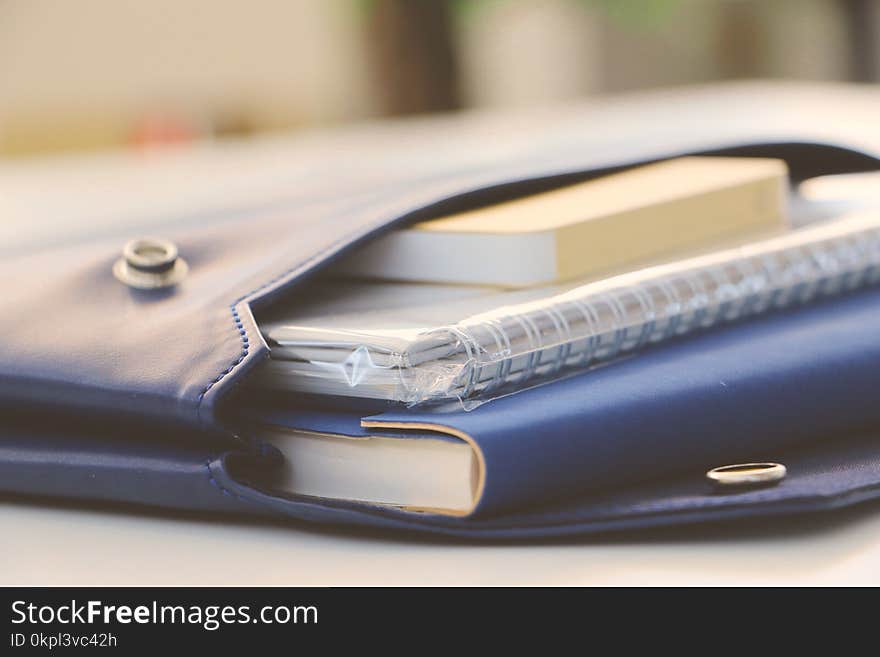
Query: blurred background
(94, 74)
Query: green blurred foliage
(640, 13)
(633, 13)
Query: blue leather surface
(728, 396)
(140, 376)
(89, 460)
(823, 476)
(777, 388)
(81, 340)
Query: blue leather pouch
(109, 393)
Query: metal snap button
(149, 263)
(746, 474)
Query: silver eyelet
(149, 263)
(743, 475)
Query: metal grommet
(149, 263)
(746, 474)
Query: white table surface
(76, 546)
(67, 544)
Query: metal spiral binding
(599, 322)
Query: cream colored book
(636, 218)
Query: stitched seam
(237, 318)
(245, 340)
(296, 268)
(220, 486)
(245, 348)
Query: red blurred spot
(162, 131)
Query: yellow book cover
(635, 218)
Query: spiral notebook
(419, 343)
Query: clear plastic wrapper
(514, 346)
